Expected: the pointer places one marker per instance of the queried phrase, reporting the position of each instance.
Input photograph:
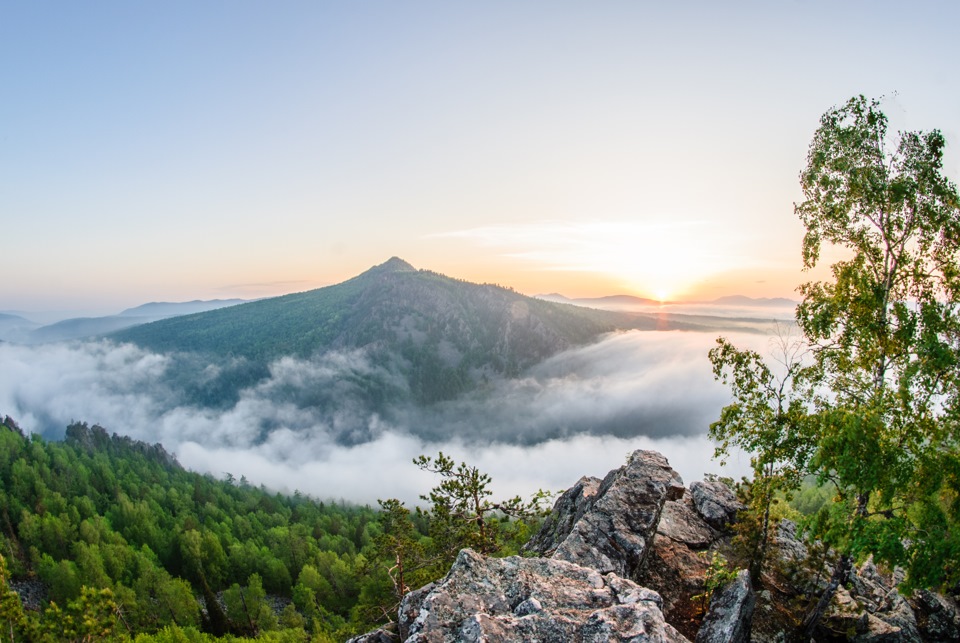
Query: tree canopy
(873, 410)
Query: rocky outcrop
(528, 599)
(869, 606)
(678, 562)
(608, 540)
(611, 529)
(376, 636)
(716, 502)
(731, 613)
(938, 617)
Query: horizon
(215, 151)
(55, 315)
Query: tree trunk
(841, 572)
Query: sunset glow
(639, 148)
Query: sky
(172, 151)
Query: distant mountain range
(393, 346)
(741, 300)
(18, 329)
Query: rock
(410, 608)
(376, 636)
(938, 617)
(679, 522)
(611, 530)
(526, 599)
(716, 502)
(32, 592)
(872, 609)
(730, 614)
(567, 510)
(676, 566)
(880, 598)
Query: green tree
(883, 334)
(14, 621)
(766, 419)
(247, 607)
(462, 513)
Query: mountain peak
(393, 264)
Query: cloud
(306, 425)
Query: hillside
(106, 512)
(440, 336)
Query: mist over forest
(306, 426)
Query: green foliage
(461, 512)
(129, 542)
(878, 403)
(883, 333)
(13, 619)
(718, 575)
(100, 512)
(768, 420)
(416, 548)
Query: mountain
(376, 351)
(156, 310)
(79, 328)
(83, 327)
(389, 305)
(441, 336)
(13, 328)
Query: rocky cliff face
(621, 559)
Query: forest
(110, 538)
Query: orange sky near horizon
(639, 148)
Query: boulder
(376, 636)
(938, 616)
(730, 614)
(528, 599)
(611, 529)
(716, 502)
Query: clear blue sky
(183, 150)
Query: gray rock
(880, 598)
(871, 610)
(789, 546)
(533, 599)
(611, 530)
(677, 564)
(679, 522)
(410, 608)
(376, 636)
(730, 614)
(716, 502)
(938, 616)
(567, 510)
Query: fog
(578, 413)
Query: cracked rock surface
(532, 599)
(611, 529)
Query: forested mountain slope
(440, 336)
(108, 512)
